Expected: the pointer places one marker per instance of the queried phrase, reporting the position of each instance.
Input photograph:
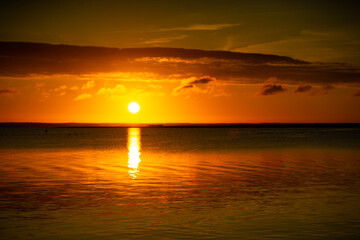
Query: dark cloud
(28, 59)
(357, 94)
(319, 90)
(328, 87)
(183, 87)
(202, 81)
(193, 83)
(314, 90)
(67, 52)
(303, 88)
(178, 90)
(6, 91)
(271, 89)
(188, 86)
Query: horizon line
(127, 125)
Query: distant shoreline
(177, 125)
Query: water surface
(189, 183)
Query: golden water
(179, 183)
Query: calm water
(183, 183)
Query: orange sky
(225, 89)
(305, 69)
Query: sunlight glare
(134, 151)
(134, 107)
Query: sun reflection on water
(134, 146)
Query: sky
(182, 61)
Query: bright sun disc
(134, 107)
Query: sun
(134, 107)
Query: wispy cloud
(309, 45)
(155, 86)
(4, 91)
(61, 88)
(155, 41)
(200, 27)
(83, 97)
(89, 85)
(111, 92)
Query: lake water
(180, 183)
